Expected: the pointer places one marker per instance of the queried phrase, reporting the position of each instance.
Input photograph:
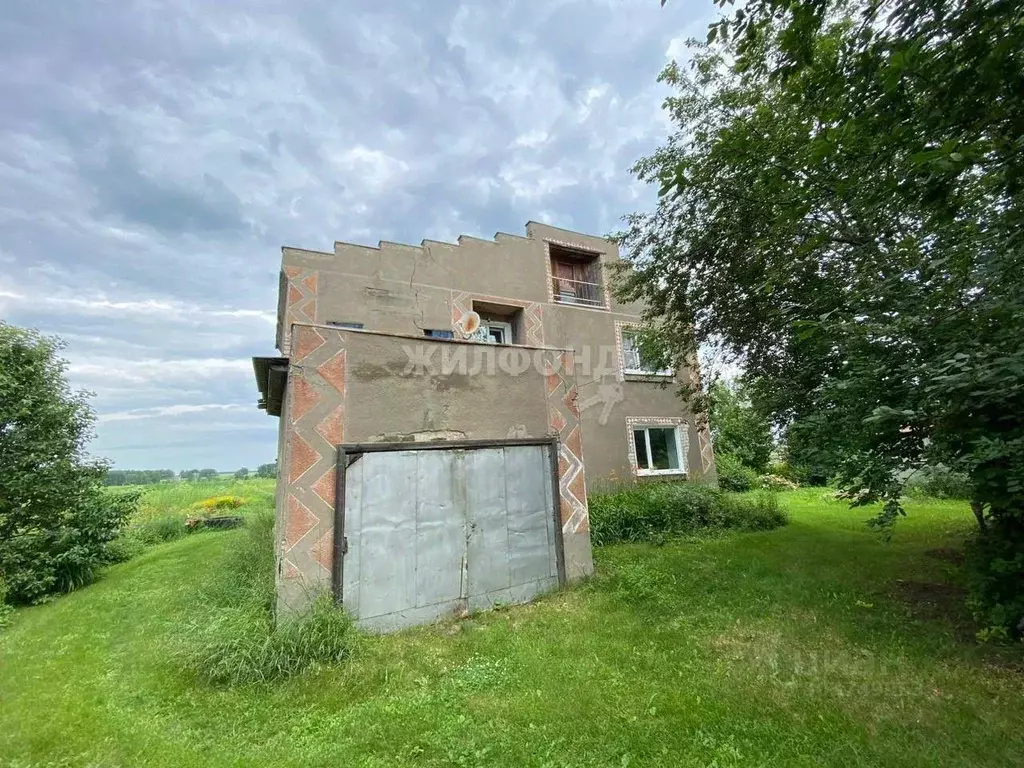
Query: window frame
(625, 331)
(483, 333)
(438, 333)
(576, 255)
(681, 445)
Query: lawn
(813, 644)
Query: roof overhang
(271, 378)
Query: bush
(37, 562)
(789, 471)
(733, 475)
(56, 523)
(652, 511)
(777, 483)
(5, 608)
(237, 642)
(940, 483)
(995, 577)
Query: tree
(207, 474)
(840, 208)
(241, 474)
(737, 428)
(56, 522)
(137, 476)
(267, 470)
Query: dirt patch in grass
(932, 601)
(950, 555)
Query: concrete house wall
(358, 387)
(385, 381)
(403, 289)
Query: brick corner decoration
(533, 314)
(316, 426)
(300, 301)
(564, 421)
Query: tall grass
(179, 499)
(652, 511)
(164, 508)
(235, 641)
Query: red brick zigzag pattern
(564, 420)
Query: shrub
(652, 511)
(56, 523)
(940, 483)
(37, 562)
(5, 609)
(791, 472)
(995, 578)
(733, 475)
(236, 643)
(777, 483)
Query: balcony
(583, 292)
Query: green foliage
(840, 209)
(56, 523)
(939, 483)
(6, 610)
(737, 427)
(995, 567)
(267, 470)
(652, 511)
(236, 642)
(733, 474)
(159, 530)
(241, 474)
(777, 483)
(137, 476)
(787, 470)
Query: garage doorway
(432, 530)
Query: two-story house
(516, 342)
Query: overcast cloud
(154, 157)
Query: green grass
(178, 499)
(790, 647)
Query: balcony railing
(577, 292)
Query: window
(494, 332)
(632, 357)
(576, 276)
(658, 450)
(344, 324)
(436, 333)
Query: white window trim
(506, 329)
(679, 427)
(627, 328)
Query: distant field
(815, 644)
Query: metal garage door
(438, 529)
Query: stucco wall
(406, 289)
(354, 386)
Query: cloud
(167, 410)
(153, 161)
(148, 371)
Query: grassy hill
(814, 644)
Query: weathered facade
(381, 345)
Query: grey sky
(154, 156)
